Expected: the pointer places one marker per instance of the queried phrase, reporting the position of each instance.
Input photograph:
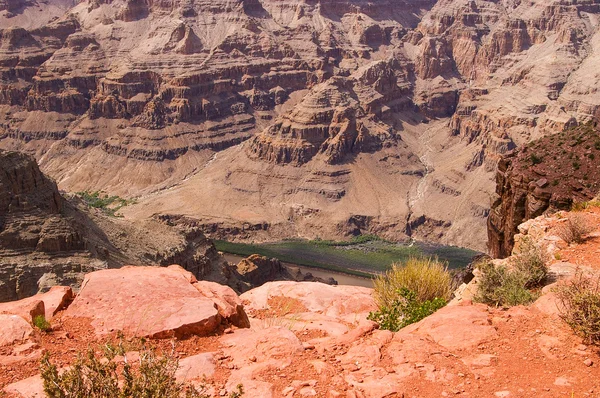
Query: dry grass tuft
(580, 306)
(427, 278)
(575, 229)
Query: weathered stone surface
(27, 308)
(228, 303)
(32, 387)
(262, 344)
(196, 367)
(14, 330)
(338, 302)
(258, 270)
(144, 301)
(456, 327)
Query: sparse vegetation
(531, 262)
(92, 376)
(40, 322)
(407, 293)
(405, 310)
(110, 205)
(580, 306)
(535, 159)
(428, 278)
(574, 229)
(504, 286)
(501, 287)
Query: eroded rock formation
(547, 175)
(46, 240)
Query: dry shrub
(575, 229)
(502, 287)
(427, 278)
(531, 262)
(580, 306)
(509, 286)
(92, 376)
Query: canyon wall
(383, 116)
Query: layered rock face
(133, 97)
(549, 174)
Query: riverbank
(364, 257)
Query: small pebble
(588, 362)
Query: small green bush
(110, 205)
(580, 306)
(407, 293)
(530, 263)
(405, 310)
(502, 287)
(428, 278)
(40, 322)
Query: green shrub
(405, 310)
(407, 293)
(530, 263)
(580, 306)
(502, 287)
(94, 377)
(110, 205)
(40, 322)
(428, 278)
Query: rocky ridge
(310, 339)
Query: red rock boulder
(146, 301)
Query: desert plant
(530, 263)
(502, 287)
(110, 205)
(512, 285)
(575, 228)
(580, 305)
(428, 278)
(535, 159)
(405, 310)
(94, 377)
(40, 322)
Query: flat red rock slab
(151, 302)
(13, 329)
(456, 327)
(196, 367)
(47, 304)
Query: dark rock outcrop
(549, 174)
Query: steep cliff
(547, 175)
(46, 239)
